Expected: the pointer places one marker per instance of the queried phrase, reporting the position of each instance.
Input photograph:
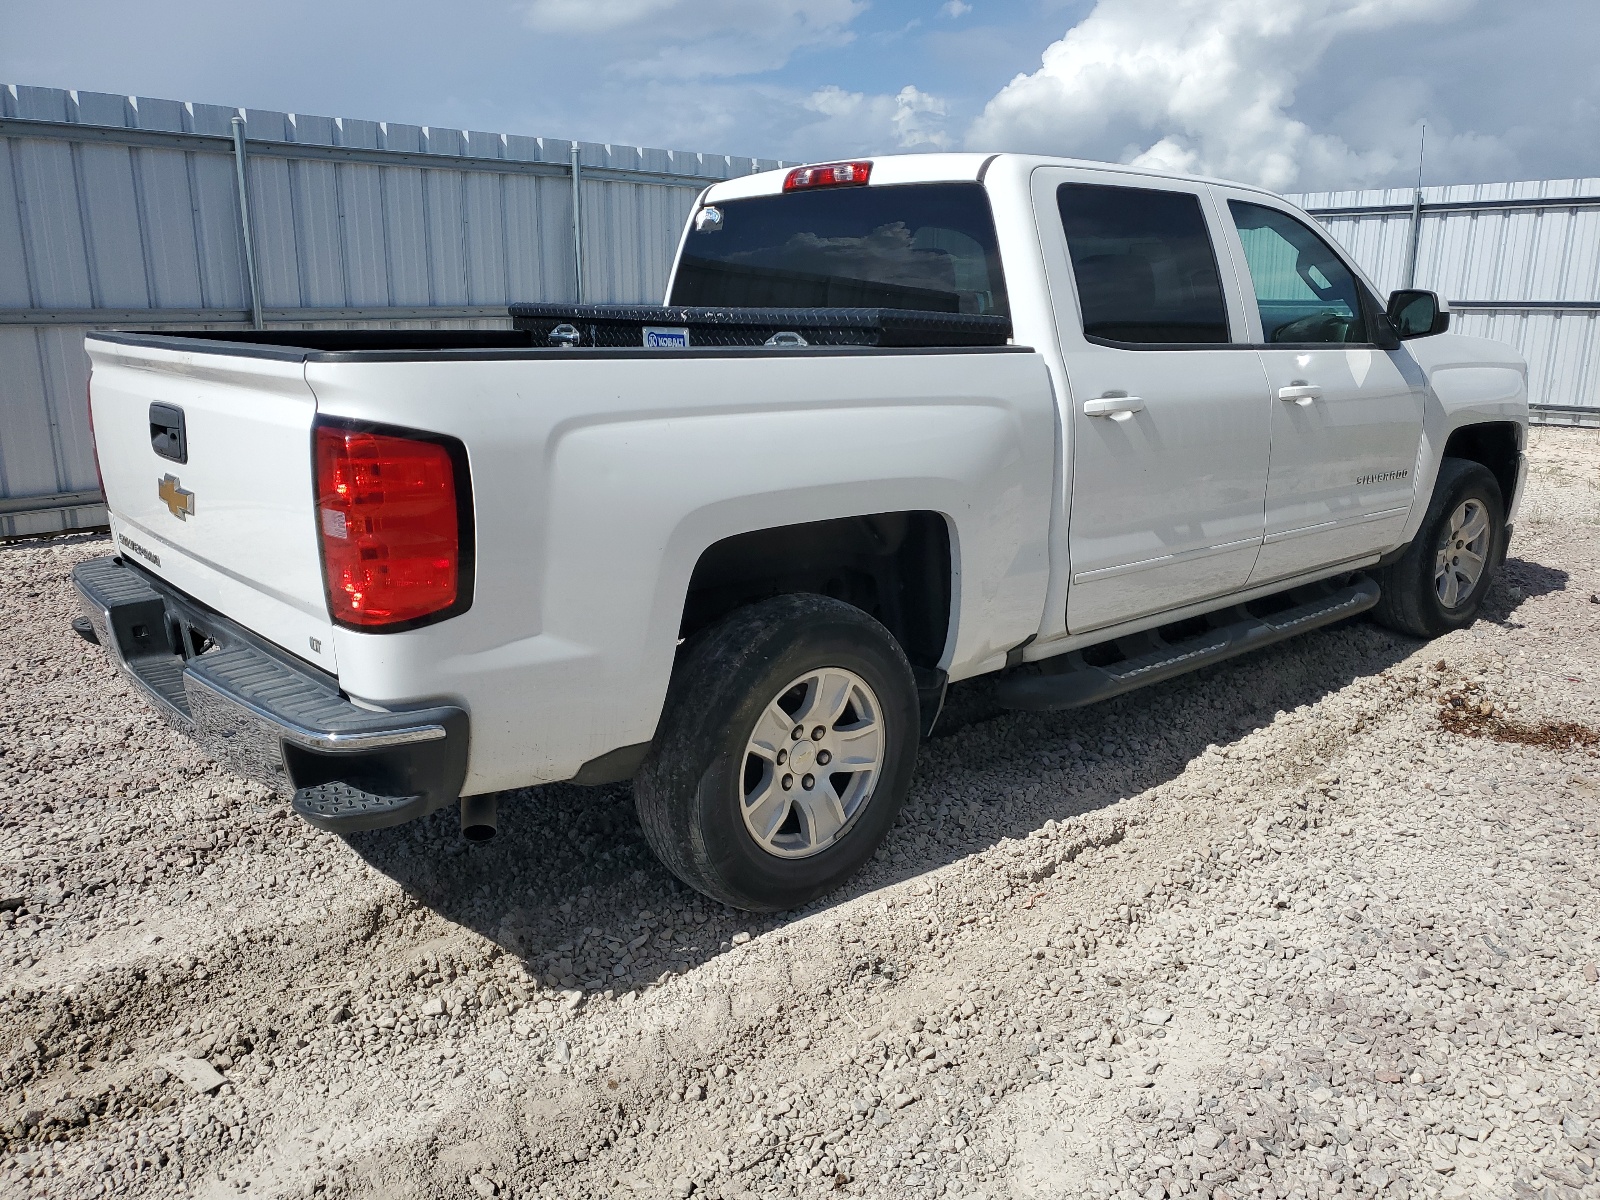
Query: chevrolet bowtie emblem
(179, 502)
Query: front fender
(1471, 381)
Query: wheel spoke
(771, 732)
(1450, 592)
(766, 809)
(859, 747)
(827, 698)
(1469, 565)
(821, 812)
(1474, 526)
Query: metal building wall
(123, 212)
(1518, 262)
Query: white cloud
(1201, 86)
(857, 123)
(917, 117)
(832, 101)
(955, 8)
(689, 39)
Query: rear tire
(736, 803)
(1440, 581)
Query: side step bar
(1084, 676)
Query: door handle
(1118, 408)
(1301, 393)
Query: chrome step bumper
(266, 718)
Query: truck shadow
(571, 887)
(1520, 580)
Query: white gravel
(1320, 922)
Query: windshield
(927, 246)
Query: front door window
(1306, 295)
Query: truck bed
(597, 480)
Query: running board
(1075, 679)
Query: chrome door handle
(1301, 393)
(1118, 408)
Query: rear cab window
(924, 246)
(1144, 266)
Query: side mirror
(1416, 313)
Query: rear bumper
(267, 717)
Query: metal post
(1416, 215)
(577, 220)
(244, 224)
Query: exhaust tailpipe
(478, 817)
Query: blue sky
(1291, 93)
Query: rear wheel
(1439, 583)
(783, 755)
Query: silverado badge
(179, 502)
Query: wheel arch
(1496, 445)
(898, 567)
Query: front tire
(784, 753)
(1440, 581)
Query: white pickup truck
(901, 422)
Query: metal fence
(137, 213)
(1518, 262)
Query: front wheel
(1439, 583)
(783, 755)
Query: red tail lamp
(394, 511)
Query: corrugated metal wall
(123, 211)
(1518, 262)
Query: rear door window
(1144, 265)
(1303, 289)
(920, 246)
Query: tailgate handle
(168, 437)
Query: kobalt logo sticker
(657, 338)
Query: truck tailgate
(228, 516)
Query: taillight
(394, 514)
(828, 175)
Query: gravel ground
(1319, 922)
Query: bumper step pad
(342, 808)
(1071, 681)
